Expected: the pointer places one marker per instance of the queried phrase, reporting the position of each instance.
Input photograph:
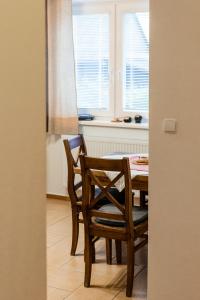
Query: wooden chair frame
(76, 203)
(129, 232)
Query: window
(111, 43)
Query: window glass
(91, 43)
(135, 76)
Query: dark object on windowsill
(127, 119)
(138, 119)
(85, 117)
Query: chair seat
(139, 215)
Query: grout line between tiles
(73, 291)
(56, 288)
(61, 219)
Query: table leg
(143, 198)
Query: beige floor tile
(102, 287)
(93, 294)
(58, 254)
(59, 231)
(65, 279)
(57, 294)
(63, 227)
(56, 210)
(50, 290)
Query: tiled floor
(66, 273)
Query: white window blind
(135, 62)
(91, 46)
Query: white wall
(174, 246)
(56, 166)
(22, 148)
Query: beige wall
(22, 186)
(174, 256)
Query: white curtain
(62, 102)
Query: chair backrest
(77, 145)
(90, 168)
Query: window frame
(106, 8)
(121, 9)
(115, 10)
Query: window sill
(103, 123)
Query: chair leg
(130, 267)
(118, 247)
(93, 253)
(143, 198)
(75, 230)
(109, 251)
(88, 260)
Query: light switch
(169, 125)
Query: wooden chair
(114, 220)
(78, 145)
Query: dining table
(139, 173)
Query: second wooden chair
(73, 148)
(76, 144)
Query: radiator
(99, 148)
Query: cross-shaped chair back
(92, 174)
